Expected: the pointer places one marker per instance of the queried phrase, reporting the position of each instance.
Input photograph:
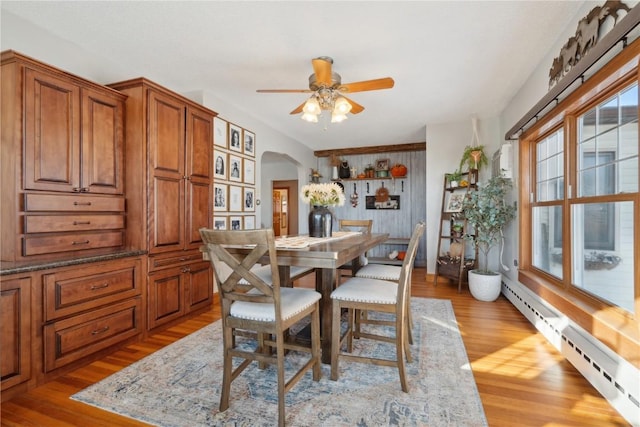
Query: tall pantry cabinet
(168, 193)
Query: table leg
(325, 280)
(285, 276)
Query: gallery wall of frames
(234, 176)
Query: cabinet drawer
(58, 223)
(68, 340)
(73, 291)
(171, 260)
(72, 203)
(71, 242)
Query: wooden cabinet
(168, 159)
(62, 141)
(15, 331)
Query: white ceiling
(450, 60)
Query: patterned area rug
(179, 385)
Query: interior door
(280, 211)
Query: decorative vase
(334, 172)
(485, 287)
(320, 222)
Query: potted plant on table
(487, 212)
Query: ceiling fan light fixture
(311, 106)
(308, 117)
(338, 117)
(342, 106)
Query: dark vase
(320, 222)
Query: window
(583, 210)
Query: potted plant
(454, 178)
(456, 229)
(473, 157)
(487, 213)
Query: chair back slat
(231, 268)
(407, 264)
(361, 225)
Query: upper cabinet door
(102, 143)
(52, 133)
(199, 144)
(166, 173)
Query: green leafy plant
(468, 160)
(454, 176)
(487, 213)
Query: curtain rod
(619, 32)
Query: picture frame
(220, 164)
(382, 165)
(235, 168)
(249, 171)
(220, 132)
(235, 135)
(220, 197)
(250, 222)
(249, 199)
(235, 223)
(454, 202)
(235, 198)
(219, 222)
(249, 143)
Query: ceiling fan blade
(384, 83)
(355, 107)
(284, 91)
(298, 108)
(322, 68)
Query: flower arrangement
(325, 194)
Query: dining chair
(360, 294)
(361, 225)
(386, 272)
(251, 303)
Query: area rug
(179, 385)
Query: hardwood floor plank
(521, 378)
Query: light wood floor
(522, 379)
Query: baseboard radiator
(615, 378)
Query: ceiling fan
(328, 92)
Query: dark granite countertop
(7, 268)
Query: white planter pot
(485, 287)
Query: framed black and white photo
(454, 202)
(249, 171)
(219, 222)
(219, 132)
(249, 143)
(235, 168)
(236, 222)
(219, 164)
(219, 197)
(235, 198)
(250, 222)
(235, 133)
(249, 199)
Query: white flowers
(327, 194)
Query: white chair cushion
(367, 290)
(292, 301)
(380, 271)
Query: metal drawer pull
(104, 285)
(81, 222)
(100, 331)
(81, 203)
(84, 242)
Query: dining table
(325, 255)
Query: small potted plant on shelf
(456, 229)
(454, 178)
(487, 213)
